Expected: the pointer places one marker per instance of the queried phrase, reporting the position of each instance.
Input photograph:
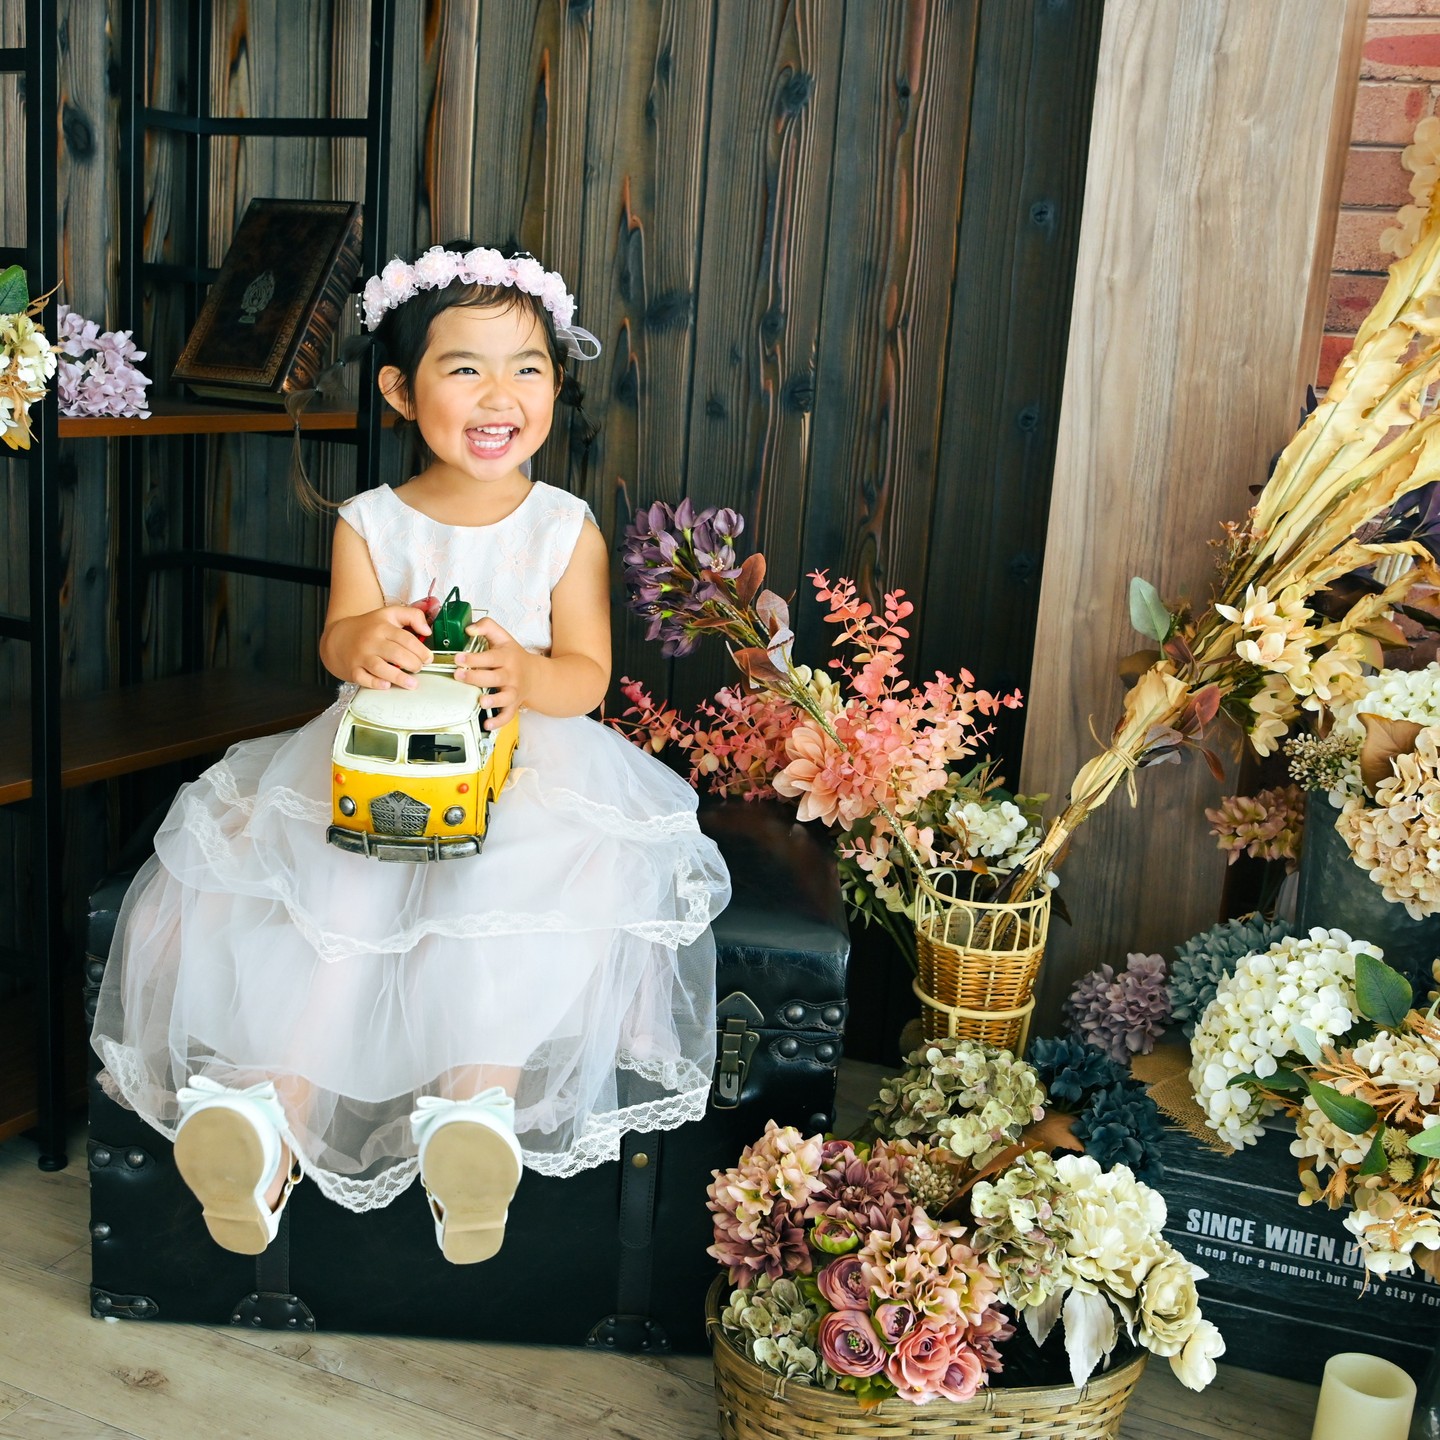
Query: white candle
(1363, 1395)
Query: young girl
(281, 1007)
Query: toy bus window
(436, 750)
(368, 743)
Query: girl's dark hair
(403, 334)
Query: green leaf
(1309, 1043)
(1383, 995)
(1374, 1162)
(1286, 1080)
(1147, 611)
(1426, 1143)
(1353, 1116)
(14, 291)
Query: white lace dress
(575, 951)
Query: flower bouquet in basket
(938, 1255)
(927, 837)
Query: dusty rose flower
(929, 1267)
(920, 1362)
(893, 1321)
(835, 1236)
(842, 1283)
(868, 1193)
(987, 1334)
(775, 1245)
(1266, 826)
(849, 1345)
(964, 1375)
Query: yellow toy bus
(415, 770)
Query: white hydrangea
(999, 832)
(1397, 694)
(1251, 1023)
(1408, 1062)
(1319, 1138)
(1388, 1230)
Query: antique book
(268, 318)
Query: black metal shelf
(294, 129)
(38, 61)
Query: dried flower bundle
(1261, 651)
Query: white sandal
(470, 1165)
(227, 1150)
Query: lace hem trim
(691, 890)
(597, 1144)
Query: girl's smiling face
(484, 391)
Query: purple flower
(867, 1193)
(777, 1247)
(842, 1283)
(849, 1344)
(893, 1322)
(1122, 1014)
(677, 562)
(98, 376)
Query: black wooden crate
(614, 1256)
(1286, 1285)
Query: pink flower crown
(438, 267)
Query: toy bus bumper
(411, 849)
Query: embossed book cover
(268, 318)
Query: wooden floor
(65, 1376)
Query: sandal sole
(222, 1160)
(473, 1173)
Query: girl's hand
(507, 669)
(379, 648)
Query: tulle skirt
(571, 961)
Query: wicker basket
(977, 962)
(756, 1405)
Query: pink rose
(919, 1363)
(842, 1283)
(849, 1344)
(964, 1375)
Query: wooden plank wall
(1215, 161)
(828, 245)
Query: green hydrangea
(967, 1097)
(1205, 960)
(1021, 1226)
(776, 1325)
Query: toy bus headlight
(454, 815)
(347, 805)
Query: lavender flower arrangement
(674, 563)
(1123, 1014)
(97, 374)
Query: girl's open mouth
(491, 441)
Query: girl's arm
(365, 640)
(572, 679)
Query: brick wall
(1399, 87)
